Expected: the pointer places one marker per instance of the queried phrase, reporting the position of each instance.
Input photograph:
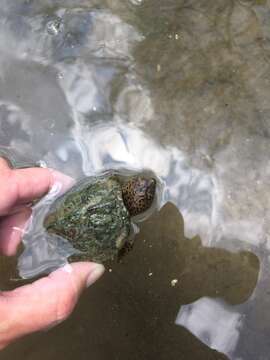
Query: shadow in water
(130, 313)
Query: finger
(33, 183)
(11, 231)
(46, 302)
(24, 185)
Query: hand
(47, 301)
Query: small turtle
(95, 215)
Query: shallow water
(181, 88)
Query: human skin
(50, 300)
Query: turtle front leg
(128, 246)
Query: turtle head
(138, 194)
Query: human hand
(47, 301)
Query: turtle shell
(93, 217)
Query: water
(181, 88)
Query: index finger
(33, 183)
(19, 186)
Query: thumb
(46, 302)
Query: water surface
(181, 88)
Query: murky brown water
(181, 88)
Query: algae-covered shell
(93, 217)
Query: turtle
(95, 215)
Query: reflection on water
(213, 322)
(179, 87)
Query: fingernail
(95, 274)
(63, 180)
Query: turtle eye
(141, 187)
(141, 190)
